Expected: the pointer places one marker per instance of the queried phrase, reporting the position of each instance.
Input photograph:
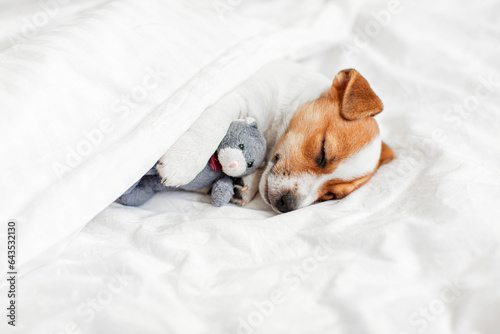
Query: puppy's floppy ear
(386, 155)
(357, 99)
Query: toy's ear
(251, 121)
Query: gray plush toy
(240, 153)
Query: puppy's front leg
(246, 187)
(190, 153)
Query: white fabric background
(413, 251)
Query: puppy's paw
(178, 170)
(244, 191)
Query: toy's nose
(233, 164)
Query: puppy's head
(331, 147)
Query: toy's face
(243, 149)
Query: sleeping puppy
(323, 142)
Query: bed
(91, 94)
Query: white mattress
(415, 250)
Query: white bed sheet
(415, 250)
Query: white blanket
(415, 250)
(92, 101)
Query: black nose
(285, 203)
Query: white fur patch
(360, 163)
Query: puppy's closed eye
(321, 158)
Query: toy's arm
(190, 153)
(222, 191)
